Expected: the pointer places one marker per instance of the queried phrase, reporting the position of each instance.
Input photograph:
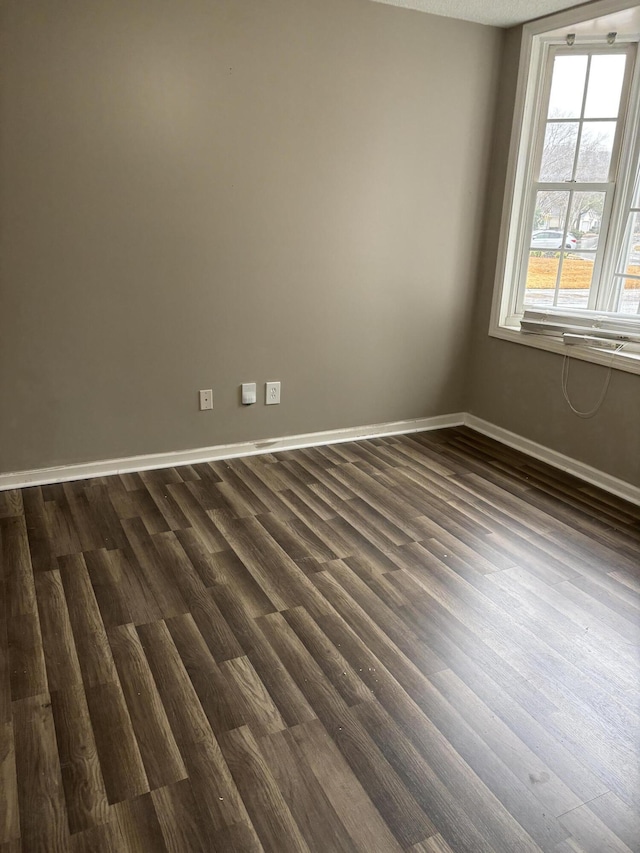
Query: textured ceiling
(498, 13)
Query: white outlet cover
(272, 393)
(248, 393)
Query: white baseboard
(106, 467)
(565, 463)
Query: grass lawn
(576, 274)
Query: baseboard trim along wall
(148, 462)
(558, 460)
(104, 468)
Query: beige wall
(196, 194)
(518, 387)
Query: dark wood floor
(426, 642)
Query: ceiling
(498, 13)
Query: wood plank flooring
(427, 643)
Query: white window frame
(537, 39)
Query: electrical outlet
(272, 395)
(206, 400)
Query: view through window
(576, 161)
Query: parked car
(552, 240)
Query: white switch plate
(206, 400)
(272, 394)
(248, 393)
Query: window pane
(567, 86)
(575, 280)
(630, 297)
(588, 240)
(585, 218)
(559, 151)
(605, 86)
(550, 214)
(596, 146)
(580, 140)
(542, 273)
(630, 261)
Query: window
(570, 245)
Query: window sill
(626, 361)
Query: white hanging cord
(605, 387)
